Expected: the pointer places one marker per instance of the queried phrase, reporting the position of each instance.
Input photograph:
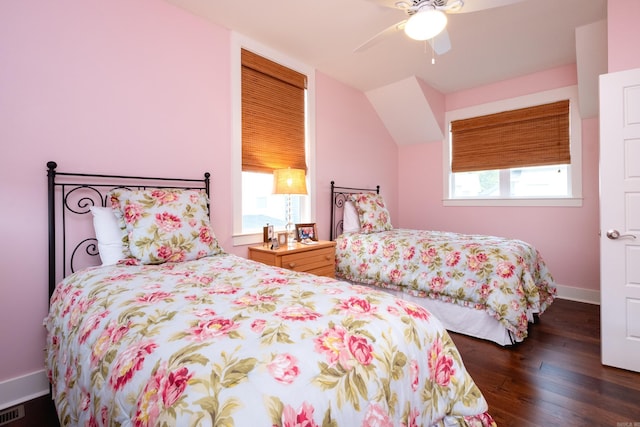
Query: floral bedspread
(506, 278)
(224, 341)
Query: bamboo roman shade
(533, 136)
(273, 115)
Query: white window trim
(239, 41)
(569, 92)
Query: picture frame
(283, 238)
(274, 244)
(267, 234)
(306, 231)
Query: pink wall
(131, 88)
(119, 87)
(349, 136)
(623, 34)
(525, 85)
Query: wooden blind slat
(273, 69)
(533, 136)
(273, 115)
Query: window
(271, 131)
(273, 115)
(523, 151)
(273, 137)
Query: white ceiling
(488, 46)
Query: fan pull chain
(433, 52)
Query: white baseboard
(578, 294)
(21, 389)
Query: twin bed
(154, 324)
(484, 286)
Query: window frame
(571, 93)
(308, 208)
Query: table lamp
(289, 181)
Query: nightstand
(318, 259)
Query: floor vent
(11, 414)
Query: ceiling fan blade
(441, 43)
(394, 4)
(476, 5)
(398, 26)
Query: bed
(487, 287)
(148, 326)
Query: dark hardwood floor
(553, 378)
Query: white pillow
(109, 235)
(350, 218)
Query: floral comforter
(224, 341)
(506, 278)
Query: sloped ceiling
(591, 60)
(412, 112)
(488, 46)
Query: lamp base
(291, 236)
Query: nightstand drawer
(310, 260)
(318, 259)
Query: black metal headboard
(339, 196)
(70, 197)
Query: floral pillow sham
(164, 225)
(374, 216)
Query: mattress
(223, 340)
(506, 279)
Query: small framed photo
(306, 231)
(282, 238)
(274, 244)
(267, 234)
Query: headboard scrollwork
(339, 196)
(70, 198)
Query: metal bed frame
(71, 195)
(339, 195)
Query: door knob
(615, 234)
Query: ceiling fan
(428, 18)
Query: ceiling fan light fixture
(425, 24)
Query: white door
(620, 218)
